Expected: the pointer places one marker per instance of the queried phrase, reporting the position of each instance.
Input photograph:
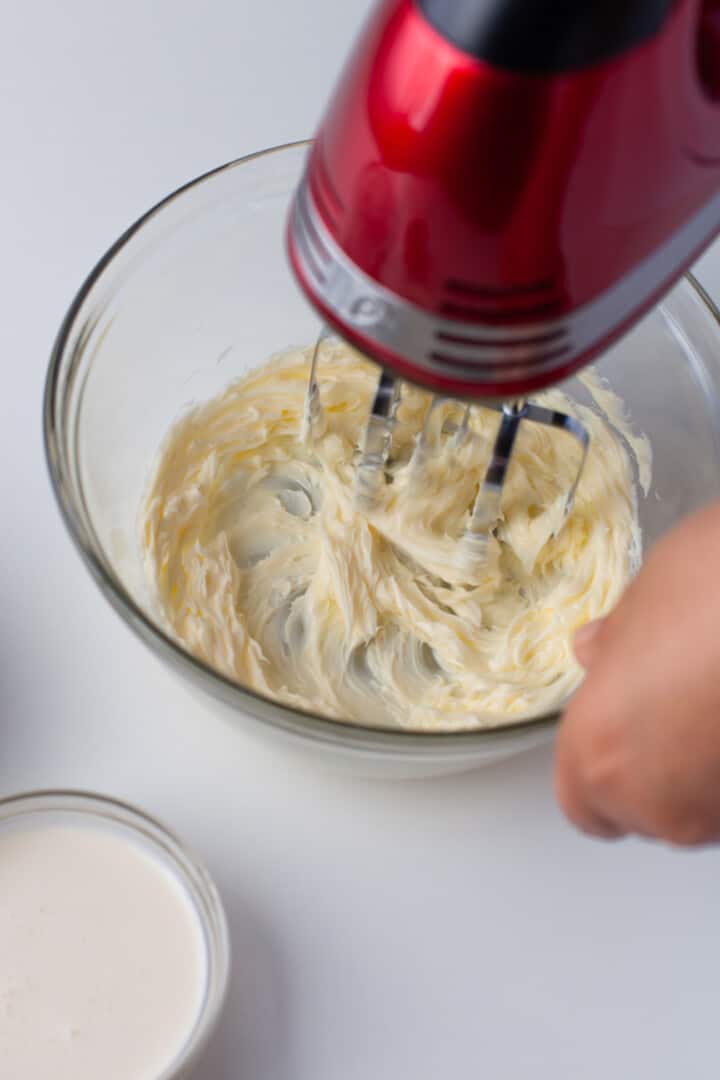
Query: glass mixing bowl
(198, 292)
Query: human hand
(639, 747)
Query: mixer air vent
(516, 349)
(530, 358)
(494, 304)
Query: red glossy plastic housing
(508, 200)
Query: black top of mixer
(545, 36)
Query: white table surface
(381, 931)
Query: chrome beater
(377, 443)
(376, 449)
(486, 510)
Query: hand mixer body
(500, 187)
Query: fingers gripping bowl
(198, 293)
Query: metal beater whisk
(376, 448)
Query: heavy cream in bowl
(113, 944)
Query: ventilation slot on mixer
(518, 349)
(531, 359)
(480, 342)
(496, 304)
(491, 316)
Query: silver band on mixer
(479, 352)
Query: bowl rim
(324, 729)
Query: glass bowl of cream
(114, 942)
(197, 297)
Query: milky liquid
(102, 959)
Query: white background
(454, 928)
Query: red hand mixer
(498, 190)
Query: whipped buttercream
(264, 567)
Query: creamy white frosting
(263, 566)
